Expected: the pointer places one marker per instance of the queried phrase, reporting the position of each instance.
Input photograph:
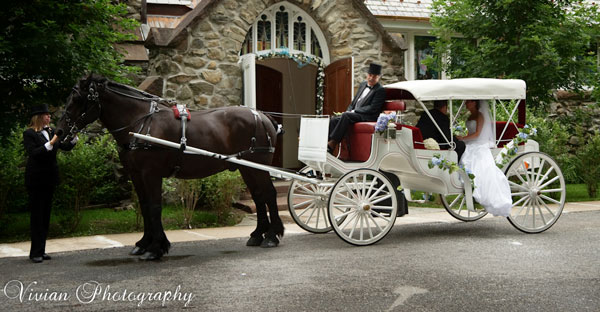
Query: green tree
(46, 45)
(547, 43)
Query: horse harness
(180, 112)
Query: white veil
(486, 137)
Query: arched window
(284, 26)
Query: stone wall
(567, 103)
(201, 69)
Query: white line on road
(404, 293)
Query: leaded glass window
(299, 34)
(281, 28)
(247, 46)
(315, 48)
(263, 34)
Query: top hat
(39, 109)
(374, 69)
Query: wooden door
(338, 86)
(269, 96)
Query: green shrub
(215, 193)
(12, 182)
(87, 174)
(589, 164)
(553, 137)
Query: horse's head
(83, 106)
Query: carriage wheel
(363, 207)
(538, 192)
(456, 205)
(307, 203)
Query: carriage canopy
(459, 89)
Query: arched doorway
(284, 39)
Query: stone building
(296, 57)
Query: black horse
(229, 131)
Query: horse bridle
(92, 97)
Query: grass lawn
(578, 192)
(14, 227)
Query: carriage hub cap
(366, 207)
(534, 192)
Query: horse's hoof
(136, 251)
(254, 241)
(269, 243)
(150, 256)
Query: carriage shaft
(243, 162)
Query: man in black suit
(366, 106)
(428, 129)
(41, 176)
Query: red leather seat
(360, 134)
(511, 131)
(417, 137)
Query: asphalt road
(481, 266)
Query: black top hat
(374, 69)
(39, 109)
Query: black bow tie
(47, 129)
(369, 87)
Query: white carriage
(359, 198)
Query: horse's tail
(276, 125)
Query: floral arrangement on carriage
(511, 148)
(439, 161)
(386, 125)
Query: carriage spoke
(361, 226)
(312, 205)
(345, 199)
(549, 181)
(517, 185)
(526, 211)
(354, 226)
(354, 196)
(344, 214)
(380, 215)
(377, 192)
(551, 191)
(349, 221)
(382, 207)
(311, 201)
(312, 212)
(546, 174)
(310, 196)
(382, 198)
(366, 217)
(520, 200)
(356, 188)
(539, 172)
(306, 190)
(374, 222)
(368, 194)
(540, 210)
(547, 208)
(519, 193)
(318, 217)
(550, 199)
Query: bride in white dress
(491, 186)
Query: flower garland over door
(286, 31)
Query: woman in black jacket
(41, 176)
